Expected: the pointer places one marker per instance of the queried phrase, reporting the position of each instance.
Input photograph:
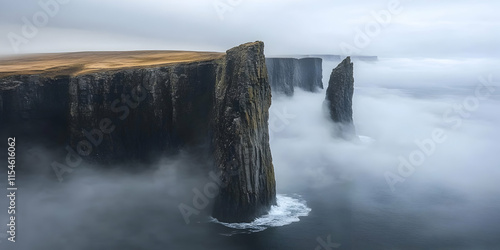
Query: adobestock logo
(453, 117)
(380, 20)
(31, 26)
(224, 6)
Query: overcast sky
(424, 28)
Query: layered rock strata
(287, 73)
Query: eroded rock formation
(339, 97)
(153, 103)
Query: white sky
(424, 28)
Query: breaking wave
(287, 211)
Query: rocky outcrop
(287, 73)
(339, 97)
(32, 107)
(138, 112)
(242, 151)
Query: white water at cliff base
(287, 211)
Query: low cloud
(422, 29)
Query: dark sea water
(333, 194)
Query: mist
(433, 60)
(448, 201)
(451, 200)
(106, 207)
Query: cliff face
(34, 106)
(156, 110)
(339, 97)
(132, 113)
(287, 73)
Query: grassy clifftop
(78, 63)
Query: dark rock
(282, 74)
(156, 110)
(135, 114)
(339, 97)
(242, 151)
(287, 73)
(311, 74)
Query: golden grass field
(78, 63)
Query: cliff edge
(111, 107)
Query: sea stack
(241, 141)
(339, 98)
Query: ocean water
(333, 194)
